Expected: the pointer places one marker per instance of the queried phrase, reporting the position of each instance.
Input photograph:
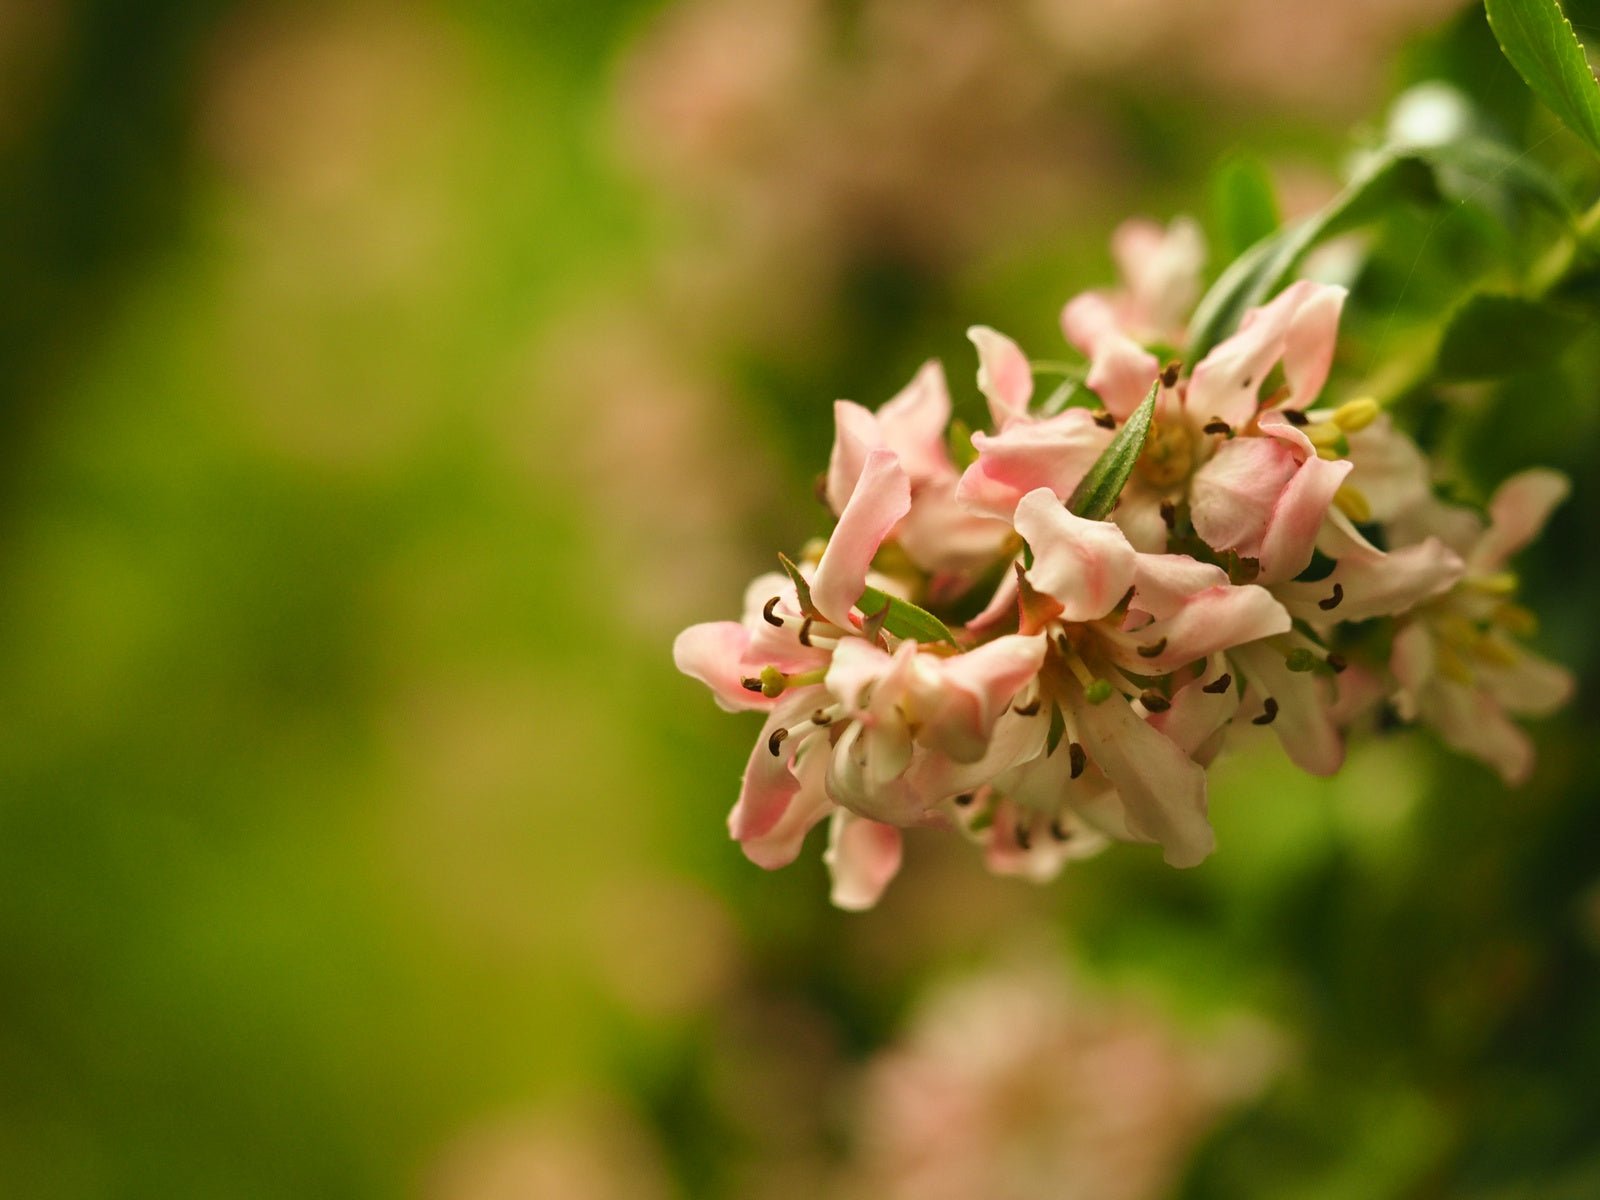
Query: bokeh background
(384, 385)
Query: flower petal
(1303, 720)
(862, 856)
(713, 653)
(913, 424)
(1374, 584)
(969, 693)
(1530, 686)
(1197, 715)
(780, 845)
(881, 497)
(1121, 372)
(1231, 497)
(1004, 376)
(768, 783)
(1163, 791)
(1227, 381)
(1216, 619)
(1086, 566)
(855, 435)
(1518, 510)
(1056, 453)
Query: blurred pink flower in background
(1022, 1084)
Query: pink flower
(1110, 613)
(1457, 661)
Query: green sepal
(903, 618)
(1096, 494)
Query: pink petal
(1198, 716)
(1390, 470)
(1121, 372)
(1001, 605)
(1086, 566)
(1291, 534)
(1518, 510)
(855, 435)
(973, 691)
(1304, 723)
(939, 534)
(780, 844)
(1228, 380)
(1163, 583)
(769, 784)
(1232, 497)
(1004, 375)
(1216, 619)
(1055, 453)
(1138, 515)
(1471, 723)
(1375, 584)
(862, 856)
(913, 424)
(881, 497)
(1531, 686)
(1163, 791)
(714, 653)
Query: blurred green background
(385, 384)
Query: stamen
(1353, 504)
(1355, 415)
(1154, 650)
(1169, 374)
(964, 799)
(1218, 685)
(1077, 758)
(1058, 832)
(805, 630)
(1024, 837)
(1502, 583)
(1336, 663)
(1300, 659)
(770, 617)
(821, 718)
(1217, 425)
(1105, 420)
(1334, 598)
(1247, 381)
(1098, 692)
(1127, 598)
(1296, 418)
(1026, 710)
(751, 685)
(1269, 712)
(1169, 515)
(1154, 701)
(776, 741)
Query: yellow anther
(1353, 504)
(1355, 415)
(1323, 433)
(1329, 453)
(1499, 653)
(1516, 620)
(1502, 583)
(1451, 666)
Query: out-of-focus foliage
(387, 383)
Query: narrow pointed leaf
(1539, 42)
(903, 618)
(1096, 494)
(801, 587)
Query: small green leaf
(1492, 337)
(903, 618)
(1096, 495)
(1539, 42)
(801, 587)
(1243, 204)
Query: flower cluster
(1147, 560)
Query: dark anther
(1248, 380)
(1028, 709)
(1105, 420)
(964, 799)
(1337, 663)
(1269, 712)
(1169, 374)
(805, 630)
(1024, 838)
(821, 718)
(1154, 700)
(1295, 417)
(1169, 515)
(1063, 647)
(1078, 758)
(750, 684)
(1217, 425)
(770, 617)
(1332, 602)
(1127, 598)
(776, 740)
(1154, 650)
(1057, 832)
(1218, 685)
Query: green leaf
(1243, 204)
(801, 587)
(903, 618)
(1539, 42)
(1425, 172)
(1492, 337)
(1096, 495)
